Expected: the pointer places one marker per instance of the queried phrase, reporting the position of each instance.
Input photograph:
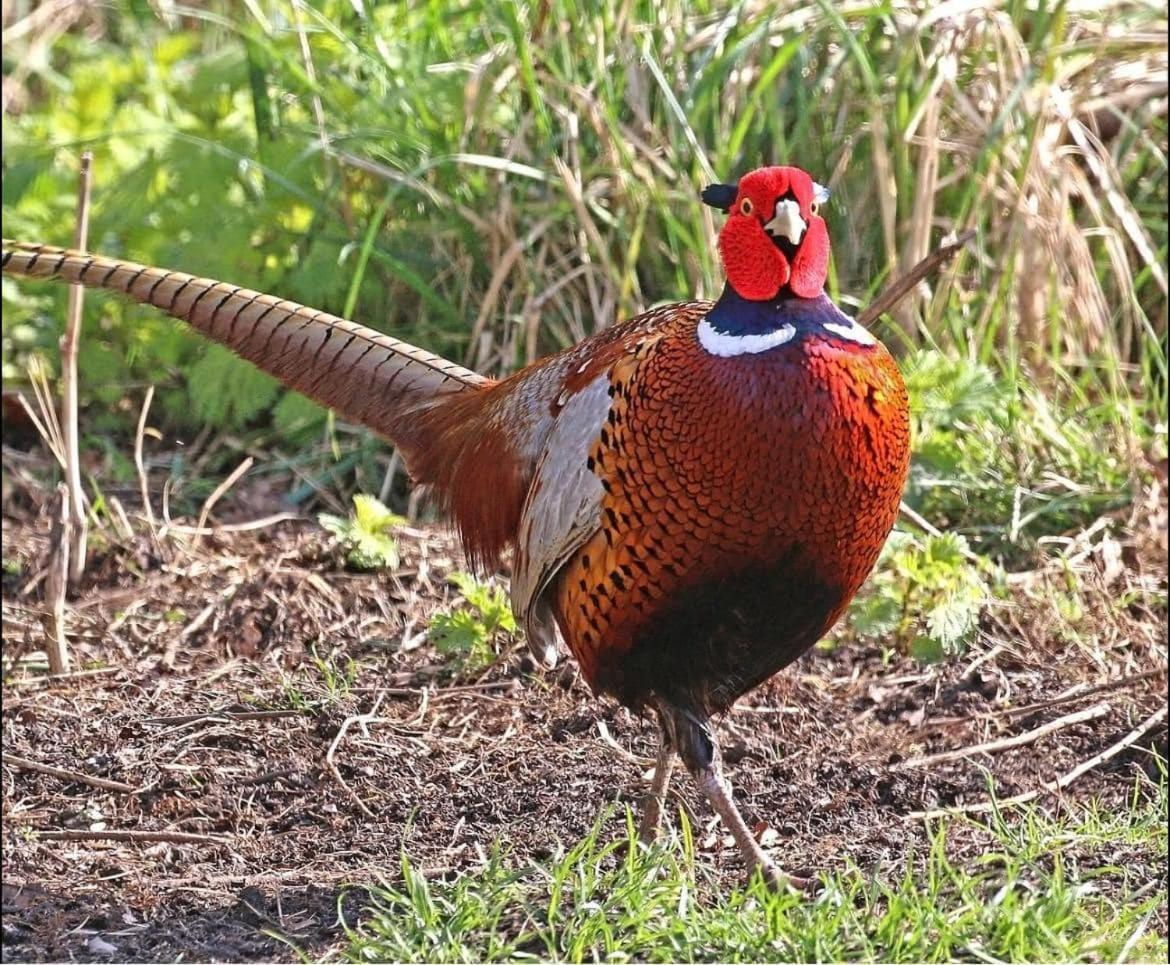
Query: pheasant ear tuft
(721, 196)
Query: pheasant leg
(652, 808)
(714, 787)
(697, 747)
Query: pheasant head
(774, 240)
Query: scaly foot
(777, 880)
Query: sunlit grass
(1027, 887)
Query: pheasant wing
(561, 513)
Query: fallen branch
(24, 764)
(222, 714)
(1060, 783)
(362, 719)
(1005, 743)
(168, 837)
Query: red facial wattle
(811, 264)
(757, 268)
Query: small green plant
(469, 633)
(338, 678)
(1006, 464)
(925, 596)
(309, 693)
(367, 535)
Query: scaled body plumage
(731, 545)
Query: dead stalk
(315, 100)
(899, 289)
(215, 497)
(140, 463)
(56, 581)
(78, 522)
(44, 416)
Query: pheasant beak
(786, 222)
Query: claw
(777, 880)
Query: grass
(1029, 887)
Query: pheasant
(693, 495)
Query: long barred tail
(367, 377)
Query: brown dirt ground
(184, 639)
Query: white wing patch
(851, 331)
(562, 512)
(725, 345)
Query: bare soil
(224, 688)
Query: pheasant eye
(745, 206)
(814, 208)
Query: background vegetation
(494, 180)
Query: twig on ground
(24, 764)
(263, 523)
(1005, 743)
(267, 777)
(167, 660)
(56, 678)
(222, 715)
(77, 531)
(1065, 698)
(1061, 782)
(607, 738)
(44, 418)
(216, 495)
(439, 692)
(361, 719)
(169, 837)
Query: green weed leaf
(367, 535)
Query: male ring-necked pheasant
(693, 495)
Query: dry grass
(562, 190)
